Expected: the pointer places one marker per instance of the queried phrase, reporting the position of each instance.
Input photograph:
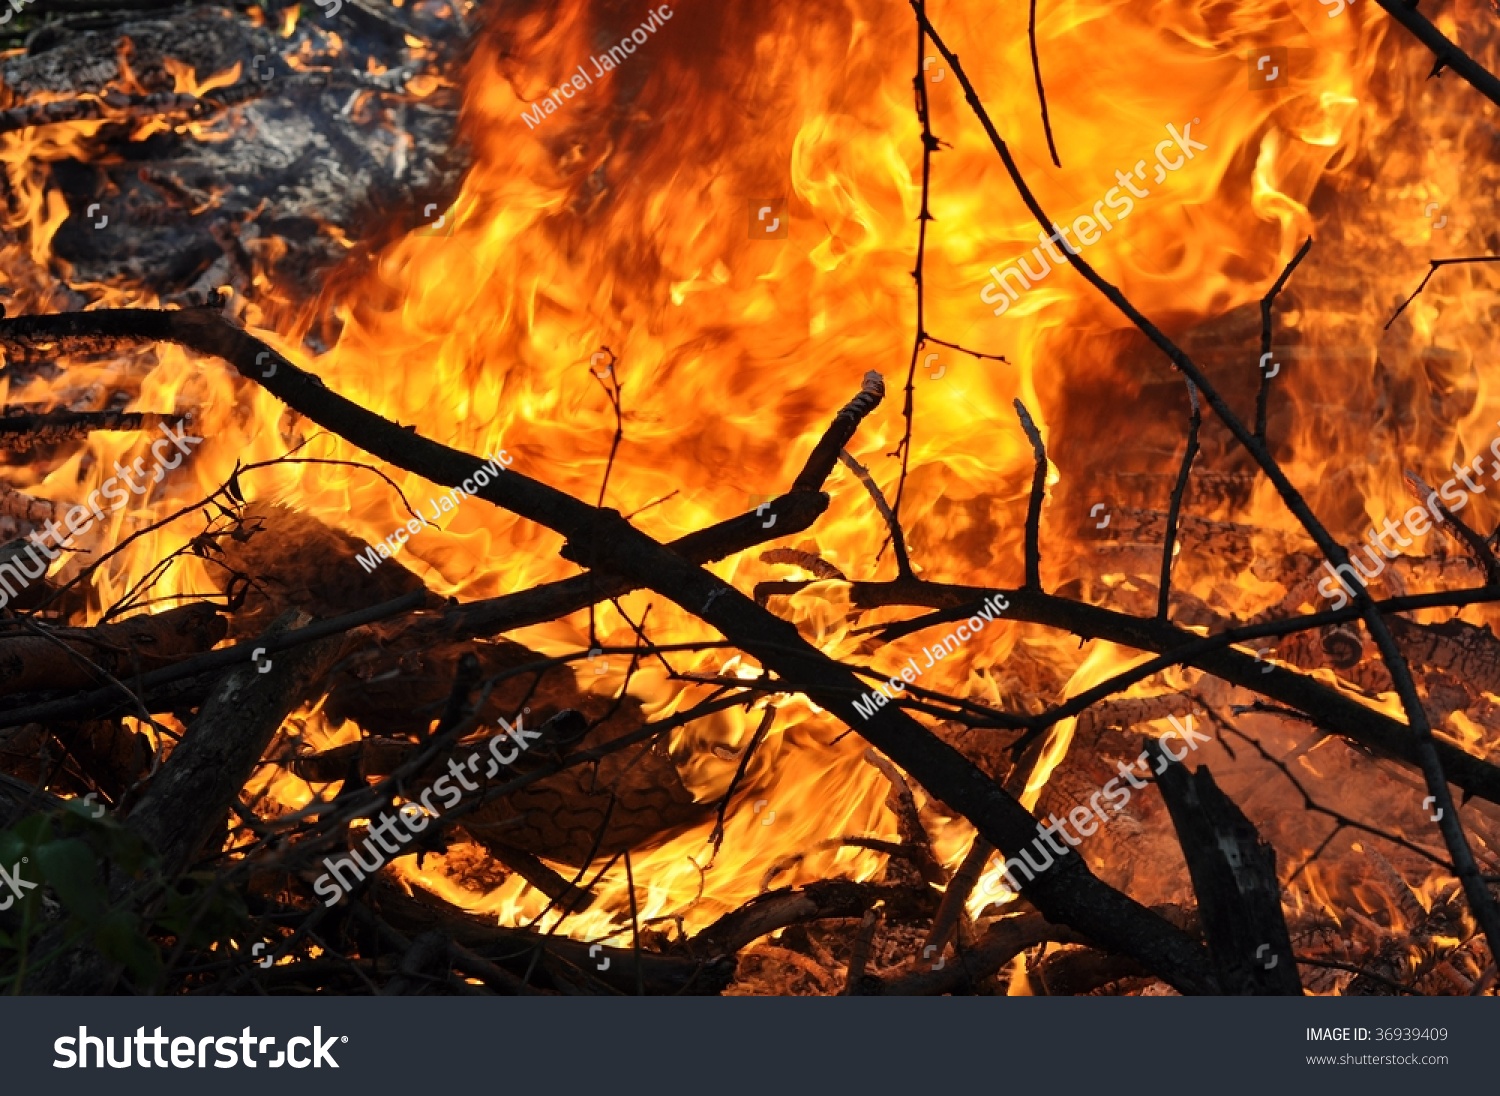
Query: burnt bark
(1234, 877)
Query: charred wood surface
(74, 658)
(1234, 877)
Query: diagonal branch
(1263, 397)
(1448, 55)
(892, 524)
(1433, 266)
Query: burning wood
(543, 739)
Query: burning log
(181, 681)
(274, 177)
(185, 804)
(297, 562)
(26, 431)
(75, 658)
(1080, 971)
(18, 504)
(1001, 943)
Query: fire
(628, 220)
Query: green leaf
(69, 867)
(119, 937)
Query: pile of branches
(160, 874)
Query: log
(300, 563)
(276, 177)
(176, 686)
(1080, 971)
(826, 900)
(962, 971)
(633, 798)
(19, 432)
(66, 658)
(185, 805)
(1234, 877)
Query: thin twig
(1174, 508)
(1263, 397)
(610, 382)
(1433, 265)
(717, 837)
(930, 145)
(929, 337)
(898, 539)
(1041, 92)
(1034, 505)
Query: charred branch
(1213, 654)
(1234, 877)
(27, 431)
